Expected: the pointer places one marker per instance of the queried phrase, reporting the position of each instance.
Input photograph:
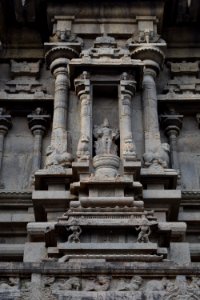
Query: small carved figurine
(106, 137)
(145, 231)
(76, 231)
(129, 147)
(83, 148)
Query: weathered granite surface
(99, 150)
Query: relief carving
(100, 283)
(145, 231)
(134, 287)
(182, 290)
(106, 138)
(56, 159)
(10, 284)
(71, 284)
(145, 36)
(158, 158)
(76, 232)
(129, 147)
(132, 284)
(83, 148)
(65, 36)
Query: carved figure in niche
(100, 283)
(159, 157)
(83, 148)
(145, 231)
(76, 231)
(71, 284)
(130, 285)
(106, 137)
(55, 158)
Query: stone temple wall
(99, 150)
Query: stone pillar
(59, 138)
(146, 45)
(151, 126)
(58, 153)
(172, 125)
(156, 153)
(5, 125)
(126, 91)
(83, 90)
(38, 122)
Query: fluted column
(38, 122)
(82, 86)
(126, 91)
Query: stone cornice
(123, 269)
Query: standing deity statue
(106, 137)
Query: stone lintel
(11, 251)
(107, 201)
(116, 66)
(133, 167)
(177, 230)
(96, 268)
(46, 177)
(168, 200)
(166, 177)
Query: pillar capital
(82, 85)
(38, 121)
(5, 121)
(146, 44)
(59, 54)
(171, 123)
(127, 85)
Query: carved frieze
(107, 287)
(102, 287)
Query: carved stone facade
(99, 150)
